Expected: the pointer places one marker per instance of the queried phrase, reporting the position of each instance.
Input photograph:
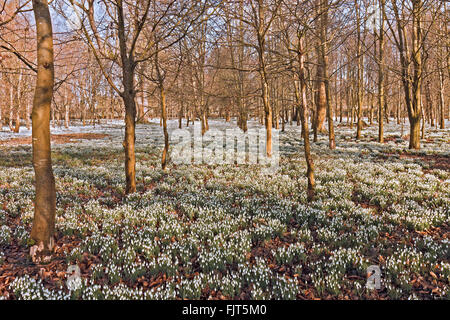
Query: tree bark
(441, 100)
(164, 120)
(42, 231)
(302, 100)
(162, 93)
(360, 73)
(321, 99)
(411, 76)
(129, 141)
(129, 99)
(381, 76)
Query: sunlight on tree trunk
(45, 203)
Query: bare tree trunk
(360, 73)
(415, 106)
(180, 115)
(275, 104)
(129, 142)
(321, 99)
(164, 119)
(42, 231)
(11, 108)
(441, 99)
(324, 80)
(66, 115)
(422, 135)
(1, 117)
(429, 101)
(128, 96)
(83, 113)
(141, 113)
(301, 99)
(381, 75)
(17, 120)
(163, 111)
(204, 120)
(27, 115)
(261, 29)
(267, 116)
(352, 99)
(411, 76)
(187, 118)
(19, 104)
(243, 113)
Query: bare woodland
(316, 64)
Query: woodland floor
(232, 231)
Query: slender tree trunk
(242, 107)
(324, 73)
(163, 111)
(42, 231)
(360, 74)
(422, 135)
(141, 113)
(1, 117)
(352, 107)
(66, 116)
(203, 120)
(261, 34)
(441, 100)
(302, 100)
(267, 116)
(17, 111)
(27, 115)
(164, 119)
(387, 112)
(321, 91)
(399, 105)
(415, 105)
(331, 137)
(321, 99)
(129, 98)
(180, 115)
(17, 121)
(429, 101)
(381, 74)
(19, 104)
(11, 108)
(129, 141)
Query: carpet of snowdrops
(234, 231)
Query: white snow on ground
(290, 140)
(6, 134)
(390, 128)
